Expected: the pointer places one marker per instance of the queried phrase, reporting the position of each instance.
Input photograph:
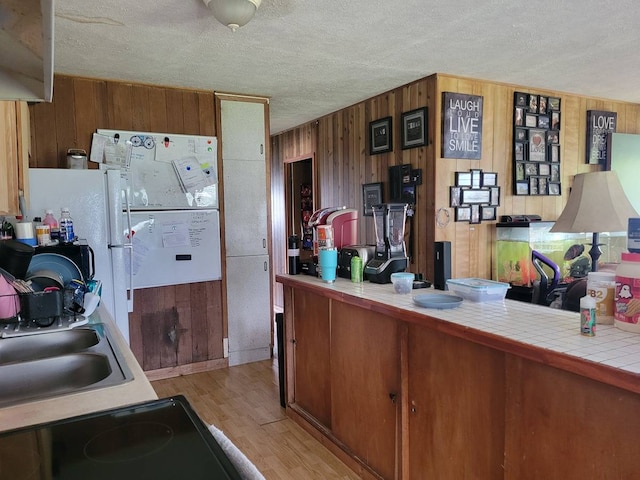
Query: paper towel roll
(24, 230)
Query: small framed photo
(409, 194)
(554, 189)
(533, 103)
(555, 172)
(522, 188)
(414, 128)
(521, 135)
(553, 103)
(455, 194)
(530, 120)
(553, 137)
(533, 185)
(487, 213)
(380, 136)
(542, 105)
(494, 196)
(489, 179)
(463, 214)
(476, 178)
(518, 151)
(463, 179)
(537, 146)
(518, 116)
(371, 195)
(530, 169)
(472, 196)
(542, 185)
(543, 121)
(520, 99)
(555, 121)
(475, 214)
(519, 171)
(554, 153)
(544, 169)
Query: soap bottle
(54, 230)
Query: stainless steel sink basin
(33, 347)
(50, 364)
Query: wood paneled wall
(173, 325)
(343, 163)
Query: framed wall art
(599, 125)
(475, 196)
(536, 144)
(380, 136)
(461, 126)
(371, 195)
(414, 128)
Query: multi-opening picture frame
(475, 196)
(380, 136)
(536, 144)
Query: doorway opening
(301, 199)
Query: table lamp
(596, 204)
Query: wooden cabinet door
(365, 388)
(456, 408)
(312, 386)
(9, 166)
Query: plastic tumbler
(328, 260)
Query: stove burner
(128, 442)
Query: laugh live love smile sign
(461, 126)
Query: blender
(390, 255)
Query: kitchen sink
(34, 347)
(40, 366)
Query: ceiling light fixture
(233, 13)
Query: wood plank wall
(163, 333)
(343, 162)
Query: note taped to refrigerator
(175, 234)
(154, 177)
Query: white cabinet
(248, 307)
(248, 269)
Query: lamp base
(595, 252)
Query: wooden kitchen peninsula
(500, 390)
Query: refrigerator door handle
(129, 245)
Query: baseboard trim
(169, 372)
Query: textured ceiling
(315, 57)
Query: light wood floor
(243, 402)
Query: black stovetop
(158, 440)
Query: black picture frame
(381, 136)
(463, 179)
(487, 213)
(489, 179)
(414, 128)
(462, 214)
(553, 104)
(371, 195)
(455, 194)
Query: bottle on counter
(66, 227)
(588, 316)
(54, 229)
(356, 269)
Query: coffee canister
(627, 300)
(601, 286)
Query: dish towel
(246, 469)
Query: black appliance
(162, 439)
(390, 254)
(78, 252)
(365, 252)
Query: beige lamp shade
(597, 203)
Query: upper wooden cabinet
(14, 155)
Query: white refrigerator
(94, 200)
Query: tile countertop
(70, 405)
(535, 332)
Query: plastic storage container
(627, 301)
(478, 289)
(402, 282)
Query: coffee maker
(390, 255)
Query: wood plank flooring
(243, 402)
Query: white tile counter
(535, 332)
